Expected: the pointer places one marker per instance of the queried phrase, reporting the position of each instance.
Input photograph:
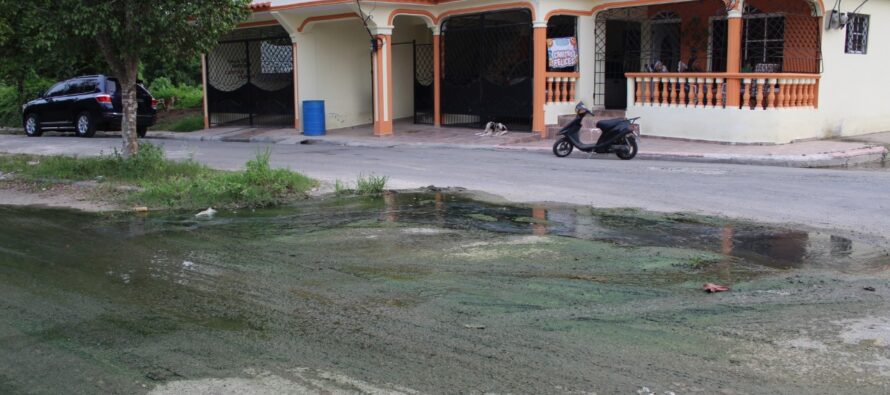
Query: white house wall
(854, 93)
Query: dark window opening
(857, 34)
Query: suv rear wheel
(84, 125)
(32, 126)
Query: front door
(622, 56)
(487, 70)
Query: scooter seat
(608, 125)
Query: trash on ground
(714, 288)
(206, 214)
(472, 326)
(869, 288)
(140, 209)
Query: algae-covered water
(435, 293)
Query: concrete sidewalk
(821, 153)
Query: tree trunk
(130, 106)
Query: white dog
(494, 129)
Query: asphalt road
(855, 203)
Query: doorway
(487, 70)
(622, 55)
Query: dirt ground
(77, 197)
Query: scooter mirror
(580, 108)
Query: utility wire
(860, 6)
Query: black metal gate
(250, 79)
(488, 70)
(424, 99)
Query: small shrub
(370, 185)
(341, 189)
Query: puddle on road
(492, 297)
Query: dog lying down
(494, 129)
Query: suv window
(57, 90)
(111, 86)
(79, 87)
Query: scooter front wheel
(563, 148)
(632, 149)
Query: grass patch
(364, 186)
(164, 183)
(185, 123)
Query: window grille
(857, 34)
(764, 41)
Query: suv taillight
(103, 98)
(154, 104)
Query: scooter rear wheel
(563, 148)
(632, 149)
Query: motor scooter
(620, 136)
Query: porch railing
(763, 91)
(561, 87)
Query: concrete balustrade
(759, 91)
(560, 87)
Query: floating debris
(206, 214)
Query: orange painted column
(204, 85)
(734, 59)
(540, 81)
(383, 112)
(437, 80)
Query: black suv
(85, 105)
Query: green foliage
(179, 70)
(364, 186)
(166, 183)
(186, 96)
(258, 186)
(10, 113)
(370, 185)
(187, 123)
(341, 189)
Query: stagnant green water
(436, 293)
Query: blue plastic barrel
(313, 118)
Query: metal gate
(250, 79)
(423, 84)
(487, 70)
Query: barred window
(764, 45)
(857, 34)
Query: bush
(10, 108)
(11, 102)
(186, 96)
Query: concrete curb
(865, 155)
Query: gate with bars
(487, 70)
(250, 79)
(424, 99)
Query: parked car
(84, 105)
